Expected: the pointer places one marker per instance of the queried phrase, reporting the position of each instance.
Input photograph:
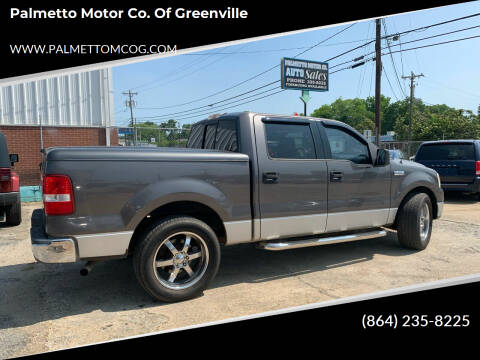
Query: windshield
(458, 151)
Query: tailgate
(454, 161)
(460, 171)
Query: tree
(354, 112)
(429, 122)
(437, 122)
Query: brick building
(68, 110)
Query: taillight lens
(58, 195)
(477, 167)
(5, 180)
(15, 182)
(5, 174)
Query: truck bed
(120, 190)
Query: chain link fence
(402, 146)
(152, 137)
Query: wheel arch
(413, 192)
(194, 209)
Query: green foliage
(436, 122)
(430, 122)
(162, 134)
(358, 113)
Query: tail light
(15, 181)
(5, 180)
(58, 195)
(477, 168)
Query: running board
(295, 244)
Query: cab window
(226, 137)
(346, 146)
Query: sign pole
(305, 98)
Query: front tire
(177, 259)
(415, 222)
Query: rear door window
(460, 151)
(226, 137)
(290, 141)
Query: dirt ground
(50, 306)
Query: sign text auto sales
(304, 75)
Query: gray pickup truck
(281, 182)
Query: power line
(389, 83)
(339, 55)
(452, 88)
(229, 107)
(349, 67)
(188, 74)
(407, 42)
(214, 103)
(159, 117)
(257, 75)
(432, 25)
(362, 76)
(206, 106)
(355, 65)
(385, 36)
(276, 50)
(393, 61)
(173, 72)
(403, 50)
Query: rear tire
(415, 222)
(177, 258)
(13, 214)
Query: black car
(456, 161)
(9, 186)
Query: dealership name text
(132, 13)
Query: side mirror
(13, 158)
(383, 157)
(411, 158)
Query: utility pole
(378, 78)
(412, 89)
(131, 103)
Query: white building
(83, 99)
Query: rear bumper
(47, 249)
(10, 198)
(470, 187)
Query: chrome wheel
(180, 260)
(424, 221)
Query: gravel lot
(50, 307)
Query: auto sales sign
(304, 75)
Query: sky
(451, 71)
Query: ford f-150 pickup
(281, 182)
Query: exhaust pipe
(87, 268)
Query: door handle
(336, 176)
(270, 177)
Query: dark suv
(457, 162)
(9, 186)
